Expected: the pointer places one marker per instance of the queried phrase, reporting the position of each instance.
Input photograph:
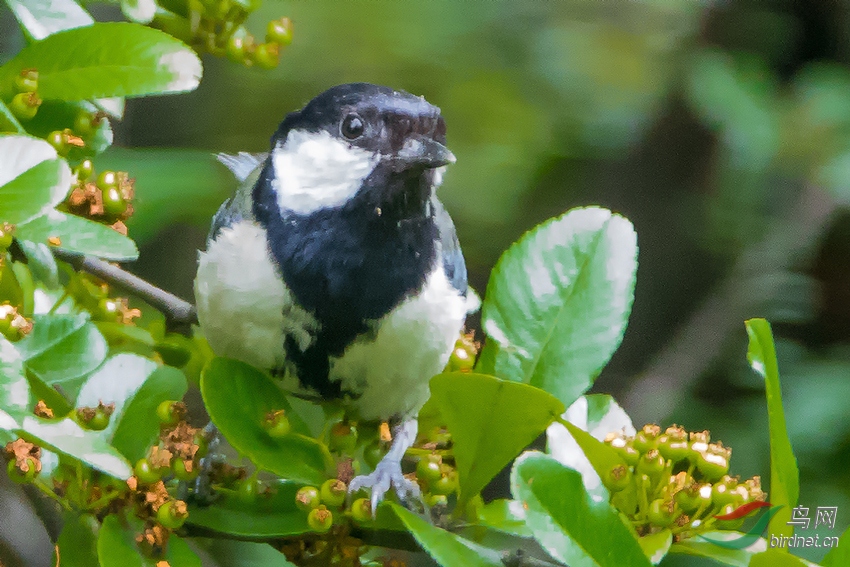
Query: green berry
(22, 476)
(618, 478)
(333, 492)
(59, 141)
(235, 48)
(248, 489)
(320, 519)
(279, 31)
(361, 510)
(84, 170)
(172, 514)
(114, 205)
(24, 106)
(435, 500)
(343, 438)
(277, 424)
(713, 463)
(267, 55)
(728, 524)
(673, 444)
(446, 484)
(203, 445)
(662, 512)
(27, 81)
(168, 413)
(723, 493)
(307, 498)
(107, 179)
(7, 232)
(428, 469)
(184, 469)
(651, 463)
(693, 497)
(647, 438)
(83, 123)
(99, 420)
(146, 473)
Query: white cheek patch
(314, 170)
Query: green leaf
(839, 555)
(62, 349)
(106, 60)
(238, 397)
(558, 301)
(67, 437)
(784, 474)
(14, 390)
(32, 179)
(79, 235)
(40, 18)
(487, 434)
(777, 557)
(595, 415)
(506, 516)
(230, 553)
(41, 263)
(116, 546)
(137, 429)
(566, 521)
(8, 121)
(78, 540)
(655, 546)
(726, 556)
(444, 547)
(269, 516)
(141, 11)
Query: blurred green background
(721, 129)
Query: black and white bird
(336, 268)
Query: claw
(388, 472)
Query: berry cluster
(105, 198)
(13, 325)
(463, 354)
(676, 480)
(216, 27)
(92, 295)
(319, 503)
(25, 102)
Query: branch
(180, 315)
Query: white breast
(413, 343)
(244, 308)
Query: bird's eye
(352, 127)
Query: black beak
(423, 151)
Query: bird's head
(358, 140)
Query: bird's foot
(387, 474)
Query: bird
(335, 267)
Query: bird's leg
(388, 471)
(203, 490)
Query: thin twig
(179, 315)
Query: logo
(741, 541)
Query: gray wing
(453, 262)
(246, 169)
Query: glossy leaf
(444, 547)
(269, 516)
(487, 434)
(79, 235)
(569, 524)
(506, 516)
(40, 18)
(41, 263)
(839, 555)
(32, 179)
(137, 428)
(231, 553)
(726, 556)
(67, 437)
(62, 349)
(141, 11)
(116, 546)
(238, 398)
(558, 301)
(77, 542)
(14, 390)
(106, 60)
(777, 558)
(8, 121)
(784, 474)
(597, 415)
(655, 546)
